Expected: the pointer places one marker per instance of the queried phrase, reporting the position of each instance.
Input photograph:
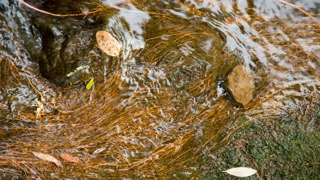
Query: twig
(57, 15)
(297, 7)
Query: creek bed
(164, 107)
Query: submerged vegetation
(281, 146)
(160, 108)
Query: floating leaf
(107, 43)
(47, 157)
(77, 69)
(90, 84)
(99, 150)
(40, 109)
(241, 171)
(71, 158)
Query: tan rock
(241, 85)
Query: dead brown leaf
(47, 157)
(71, 158)
(107, 43)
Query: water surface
(163, 103)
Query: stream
(165, 104)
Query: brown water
(162, 107)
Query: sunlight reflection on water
(166, 94)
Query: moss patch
(279, 148)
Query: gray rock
(69, 43)
(241, 85)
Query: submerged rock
(69, 44)
(241, 85)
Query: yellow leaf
(77, 69)
(241, 171)
(90, 84)
(107, 43)
(47, 157)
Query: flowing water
(160, 109)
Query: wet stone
(68, 45)
(241, 85)
(65, 51)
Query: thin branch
(57, 15)
(297, 7)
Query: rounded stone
(241, 85)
